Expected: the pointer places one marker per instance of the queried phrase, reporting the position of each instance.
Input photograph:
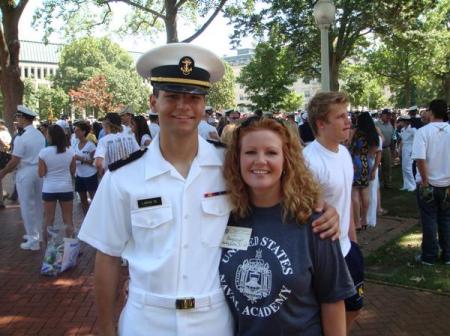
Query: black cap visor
(181, 88)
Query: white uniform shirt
(58, 178)
(127, 130)
(154, 129)
(27, 146)
(115, 146)
(432, 143)
(407, 135)
(168, 227)
(85, 169)
(204, 129)
(145, 138)
(334, 172)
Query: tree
(294, 21)
(269, 75)
(146, 17)
(291, 102)
(222, 94)
(415, 61)
(10, 83)
(93, 96)
(362, 87)
(86, 57)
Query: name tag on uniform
(143, 203)
(237, 238)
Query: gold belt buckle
(185, 303)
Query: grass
(394, 262)
(399, 203)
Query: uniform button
(186, 216)
(185, 246)
(184, 276)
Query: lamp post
(324, 12)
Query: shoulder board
(217, 143)
(122, 162)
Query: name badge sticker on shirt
(237, 238)
(144, 203)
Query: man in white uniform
(153, 125)
(407, 135)
(29, 185)
(332, 165)
(166, 212)
(207, 131)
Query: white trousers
(373, 201)
(408, 178)
(29, 190)
(137, 319)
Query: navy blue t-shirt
(276, 286)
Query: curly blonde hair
(299, 190)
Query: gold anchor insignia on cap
(186, 65)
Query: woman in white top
(141, 131)
(57, 166)
(115, 145)
(86, 174)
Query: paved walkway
(31, 304)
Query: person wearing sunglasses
(279, 278)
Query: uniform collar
(156, 164)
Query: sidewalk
(31, 304)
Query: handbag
(4, 159)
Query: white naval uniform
(172, 245)
(407, 135)
(29, 185)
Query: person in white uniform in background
(207, 131)
(153, 124)
(165, 210)
(407, 135)
(126, 116)
(25, 157)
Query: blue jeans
(434, 204)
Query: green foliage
(52, 102)
(415, 60)
(30, 97)
(292, 102)
(269, 76)
(363, 89)
(222, 94)
(86, 57)
(294, 21)
(144, 18)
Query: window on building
(32, 73)
(45, 72)
(306, 81)
(38, 76)
(25, 72)
(307, 94)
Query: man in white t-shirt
(332, 166)
(205, 130)
(115, 145)
(431, 152)
(25, 158)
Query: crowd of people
(230, 224)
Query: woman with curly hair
(282, 279)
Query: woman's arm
(42, 168)
(333, 318)
(73, 166)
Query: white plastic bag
(70, 255)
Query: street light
(324, 12)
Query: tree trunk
(408, 89)
(334, 72)
(10, 83)
(171, 21)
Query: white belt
(188, 302)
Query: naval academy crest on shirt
(254, 278)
